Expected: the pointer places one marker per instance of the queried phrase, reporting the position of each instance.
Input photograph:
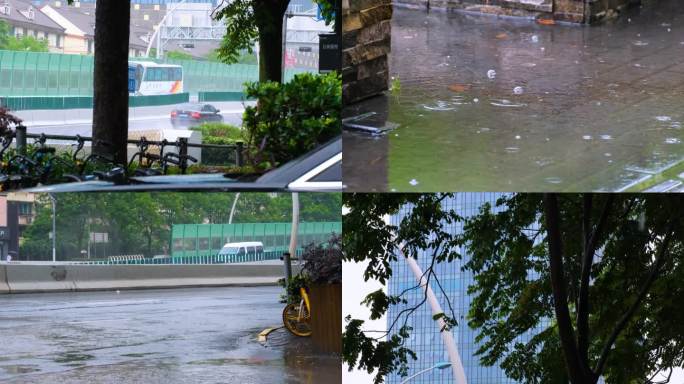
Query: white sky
(355, 289)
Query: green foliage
(219, 133)
(395, 87)
(245, 57)
(242, 24)
(292, 294)
(25, 43)
(241, 30)
(323, 262)
(140, 223)
(641, 240)
(291, 119)
(178, 55)
(371, 354)
(327, 8)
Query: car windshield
(230, 251)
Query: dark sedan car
(193, 114)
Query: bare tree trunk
(110, 98)
(269, 15)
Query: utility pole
(54, 227)
(293, 236)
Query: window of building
(25, 209)
(5, 9)
(31, 13)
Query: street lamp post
(447, 336)
(157, 32)
(440, 365)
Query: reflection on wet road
(160, 336)
(502, 104)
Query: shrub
(218, 133)
(293, 118)
(323, 262)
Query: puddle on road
(592, 103)
(73, 359)
(19, 369)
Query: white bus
(156, 79)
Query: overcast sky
(355, 289)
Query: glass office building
(426, 340)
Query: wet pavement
(498, 104)
(155, 336)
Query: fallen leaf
(459, 87)
(502, 36)
(546, 21)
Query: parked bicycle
(297, 316)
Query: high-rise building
(425, 339)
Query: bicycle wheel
(299, 326)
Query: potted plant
(323, 267)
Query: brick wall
(366, 43)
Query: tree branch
(659, 261)
(560, 298)
(590, 243)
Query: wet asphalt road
(154, 336)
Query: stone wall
(366, 33)
(574, 11)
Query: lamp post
(157, 31)
(447, 336)
(440, 365)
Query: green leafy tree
(4, 34)
(292, 118)
(244, 58)
(249, 21)
(140, 223)
(25, 43)
(604, 271)
(178, 55)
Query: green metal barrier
(220, 96)
(72, 102)
(147, 101)
(208, 239)
(55, 74)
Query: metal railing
(197, 260)
(181, 144)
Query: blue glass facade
(425, 339)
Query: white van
(243, 248)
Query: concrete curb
(4, 288)
(65, 278)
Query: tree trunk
(110, 98)
(269, 18)
(573, 362)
